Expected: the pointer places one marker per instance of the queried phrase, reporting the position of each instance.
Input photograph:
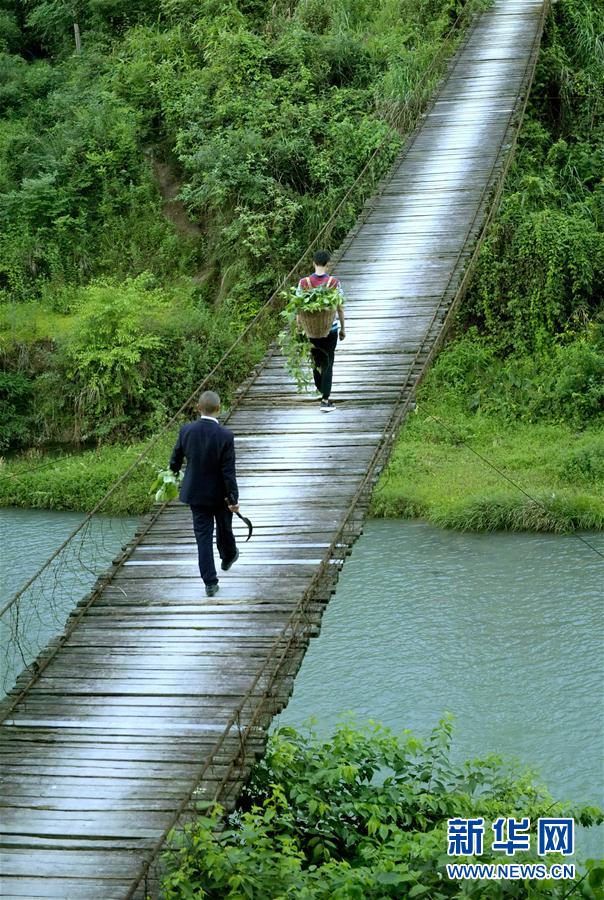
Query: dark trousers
(323, 351)
(203, 526)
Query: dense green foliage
(362, 816)
(564, 382)
(260, 113)
(541, 270)
(523, 382)
(125, 356)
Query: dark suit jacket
(210, 453)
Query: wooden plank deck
(160, 694)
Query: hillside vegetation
(522, 383)
(156, 185)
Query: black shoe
(327, 406)
(211, 589)
(225, 566)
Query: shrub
(585, 464)
(537, 271)
(138, 351)
(361, 814)
(564, 382)
(15, 409)
(577, 388)
(125, 356)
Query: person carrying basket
(323, 329)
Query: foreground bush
(362, 815)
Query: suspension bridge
(155, 697)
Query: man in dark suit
(209, 486)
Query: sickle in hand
(250, 527)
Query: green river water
(504, 631)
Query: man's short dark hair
(321, 257)
(209, 402)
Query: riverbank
(449, 467)
(77, 481)
(486, 473)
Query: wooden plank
(76, 864)
(32, 888)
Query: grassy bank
(436, 472)
(491, 429)
(77, 481)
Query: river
(505, 631)
(27, 538)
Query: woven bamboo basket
(316, 324)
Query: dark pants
(203, 526)
(323, 351)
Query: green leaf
(393, 877)
(596, 876)
(165, 487)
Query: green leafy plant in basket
(302, 308)
(166, 485)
